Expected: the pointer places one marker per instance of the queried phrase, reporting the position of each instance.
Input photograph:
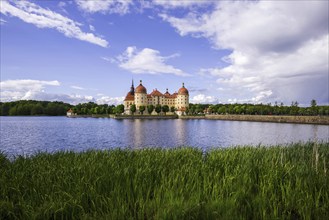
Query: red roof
(156, 93)
(140, 88)
(129, 97)
(183, 91)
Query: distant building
(70, 113)
(179, 100)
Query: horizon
(244, 52)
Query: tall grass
(289, 182)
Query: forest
(56, 108)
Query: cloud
(147, 61)
(181, 4)
(202, 99)
(109, 100)
(92, 28)
(12, 90)
(77, 87)
(110, 59)
(61, 4)
(45, 18)
(2, 21)
(27, 89)
(279, 49)
(109, 6)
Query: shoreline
(316, 120)
(319, 120)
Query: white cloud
(2, 21)
(279, 49)
(27, 89)
(202, 99)
(110, 59)
(12, 90)
(147, 61)
(77, 87)
(45, 18)
(92, 28)
(109, 100)
(61, 4)
(181, 3)
(110, 6)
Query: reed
(278, 182)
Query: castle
(139, 97)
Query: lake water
(28, 135)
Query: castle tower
(129, 100)
(182, 101)
(140, 96)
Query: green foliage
(172, 109)
(259, 109)
(158, 108)
(165, 108)
(31, 107)
(283, 182)
(120, 109)
(141, 109)
(150, 108)
(133, 108)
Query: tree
(133, 108)
(313, 103)
(158, 108)
(120, 109)
(165, 108)
(221, 110)
(5, 107)
(37, 109)
(141, 109)
(172, 109)
(186, 111)
(110, 109)
(150, 108)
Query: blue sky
(224, 51)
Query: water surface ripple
(28, 135)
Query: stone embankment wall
(324, 120)
(144, 116)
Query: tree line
(32, 107)
(150, 108)
(258, 109)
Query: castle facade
(139, 97)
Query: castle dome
(183, 91)
(140, 88)
(129, 97)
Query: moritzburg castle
(179, 100)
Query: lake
(28, 135)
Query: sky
(224, 51)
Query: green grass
(282, 182)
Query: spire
(183, 85)
(140, 81)
(132, 88)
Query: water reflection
(27, 135)
(180, 132)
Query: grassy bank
(321, 120)
(235, 183)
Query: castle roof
(156, 93)
(140, 88)
(183, 91)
